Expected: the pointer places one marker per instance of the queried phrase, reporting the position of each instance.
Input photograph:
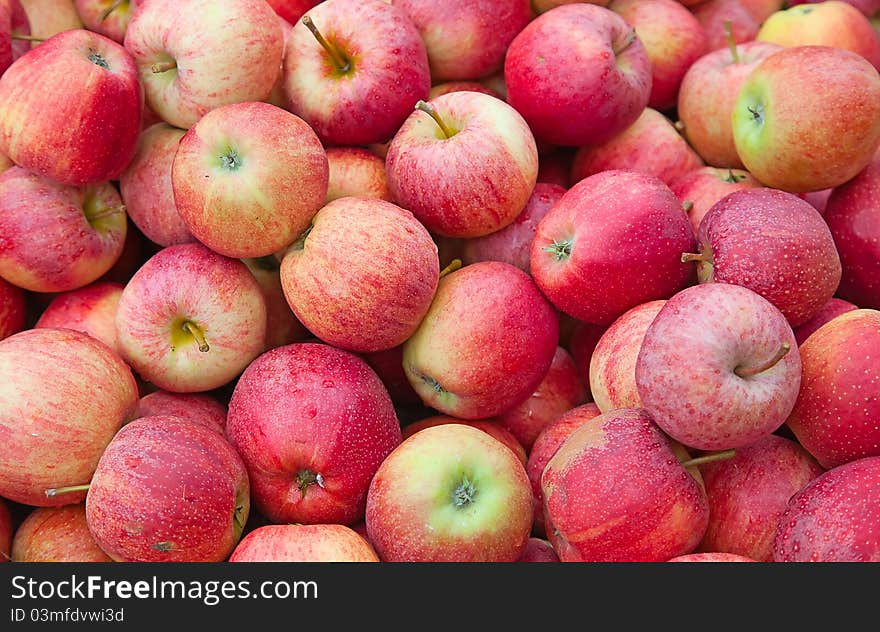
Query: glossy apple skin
(625, 233)
(56, 534)
(651, 145)
(513, 243)
(168, 490)
(798, 142)
(708, 96)
(613, 362)
(869, 8)
(542, 6)
(50, 17)
(388, 71)
(78, 393)
(490, 426)
(713, 14)
(311, 408)
(91, 12)
(190, 283)
(835, 417)
(835, 518)
(263, 200)
(439, 89)
(711, 557)
(91, 310)
(775, 244)
(748, 493)
(538, 550)
(303, 543)
(615, 491)
(226, 52)
(74, 141)
(485, 344)
(832, 309)
(561, 390)
(704, 187)
(562, 75)
(853, 215)
(364, 276)
(545, 446)
(685, 368)
(196, 407)
(292, 10)
(831, 23)
(356, 172)
(40, 216)
(673, 40)
(13, 20)
(473, 183)
(13, 309)
(465, 39)
(282, 326)
(411, 515)
(146, 187)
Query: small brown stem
(55, 491)
(339, 62)
(111, 9)
(196, 333)
(428, 109)
(625, 43)
(454, 265)
(27, 38)
(163, 66)
(744, 372)
(710, 458)
(728, 32)
(691, 256)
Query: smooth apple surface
(199, 408)
(439, 89)
(714, 16)
(303, 543)
(13, 23)
(712, 557)
(538, 550)
(56, 534)
(292, 10)
(832, 309)
(91, 310)
(50, 17)
(700, 189)
(107, 17)
(13, 309)
(490, 426)
(356, 172)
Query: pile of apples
(489, 280)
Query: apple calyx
(464, 493)
(560, 249)
(454, 265)
(27, 38)
(428, 109)
(163, 66)
(757, 113)
(195, 331)
(619, 47)
(230, 161)
(744, 372)
(57, 491)
(711, 457)
(728, 33)
(339, 61)
(307, 478)
(111, 9)
(687, 206)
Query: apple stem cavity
(110, 212)
(733, 178)
(111, 9)
(27, 38)
(454, 265)
(723, 455)
(625, 43)
(745, 372)
(163, 66)
(193, 330)
(339, 61)
(268, 262)
(428, 109)
(57, 491)
(692, 256)
(300, 243)
(463, 495)
(687, 206)
(307, 478)
(728, 32)
(560, 249)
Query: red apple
(581, 345)
(303, 543)
(312, 424)
(835, 518)
(711, 557)
(282, 326)
(190, 319)
(292, 10)
(450, 493)
(673, 40)
(465, 164)
(363, 275)
(356, 172)
(168, 489)
(542, 6)
(615, 491)
(354, 69)
(611, 243)
(13, 23)
(538, 550)
(247, 179)
(70, 109)
(513, 243)
(832, 309)
(700, 189)
(651, 145)
(490, 426)
(13, 308)
(388, 365)
(466, 39)
(438, 90)
(91, 310)
(578, 75)
(485, 344)
(773, 243)
(835, 417)
(196, 407)
(63, 396)
(714, 15)
(719, 367)
(50, 17)
(146, 187)
(56, 534)
(763, 9)
(107, 17)
(197, 55)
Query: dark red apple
(832, 309)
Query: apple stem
(691, 256)
(728, 31)
(307, 478)
(454, 265)
(625, 43)
(27, 38)
(733, 178)
(744, 372)
(340, 62)
(710, 458)
(196, 333)
(687, 206)
(116, 210)
(163, 66)
(55, 491)
(111, 9)
(428, 109)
